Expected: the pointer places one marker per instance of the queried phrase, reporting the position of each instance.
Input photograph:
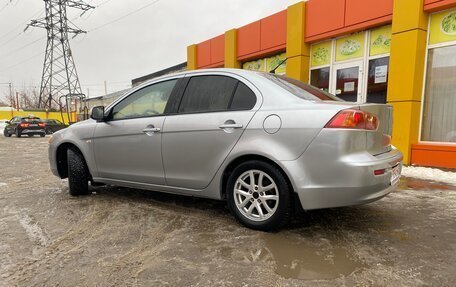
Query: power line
(24, 61)
(25, 46)
(124, 16)
(15, 28)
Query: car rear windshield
(300, 89)
(28, 120)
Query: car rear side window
(244, 98)
(207, 94)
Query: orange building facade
(400, 52)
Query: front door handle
(150, 130)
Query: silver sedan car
(262, 142)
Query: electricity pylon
(59, 77)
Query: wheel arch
(62, 158)
(248, 157)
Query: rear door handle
(231, 126)
(151, 130)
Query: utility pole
(59, 71)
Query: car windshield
(300, 89)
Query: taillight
(353, 119)
(24, 125)
(41, 124)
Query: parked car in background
(29, 126)
(3, 124)
(53, 125)
(262, 142)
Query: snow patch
(427, 173)
(34, 232)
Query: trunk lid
(379, 141)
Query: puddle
(298, 260)
(418, 184)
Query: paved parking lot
(125, 237)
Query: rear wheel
(78, 174)
(18, 133)
(259, 196)
(42, 135)
(30, 135)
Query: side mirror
(7, 122)
(98, 113)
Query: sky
(151, 39)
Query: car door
(11, 127)
(127, 146)
(212, 115)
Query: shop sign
(380, 41)
(443, 27)
(321, 54)
(350, 47)
(267, 64)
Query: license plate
(395, 174)
(33, 125)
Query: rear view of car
(29, 126)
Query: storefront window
(320, 78)
(439, 114)
(377, 81)
(267, 64)
(338, 65)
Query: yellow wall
(43, 115)
(298, 51)
(191, 57)
(231, 60)
(406, 72)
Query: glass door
(347, 81)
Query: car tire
(42, 135)
(18, 133)
(78, 174)
(6, 133)
(30, 135)
(264, 205)
(49, 131)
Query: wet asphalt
(125, 237)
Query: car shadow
(355, 218)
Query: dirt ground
(125, 237)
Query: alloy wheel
(256, 195)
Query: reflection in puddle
(299, 260)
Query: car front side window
(146, 102)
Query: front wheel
(259, 196)
(78, 174)
(6, 133)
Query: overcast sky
(152, 39)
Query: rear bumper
(344, 181)
(33, 132)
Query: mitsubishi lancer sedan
(260, 141)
